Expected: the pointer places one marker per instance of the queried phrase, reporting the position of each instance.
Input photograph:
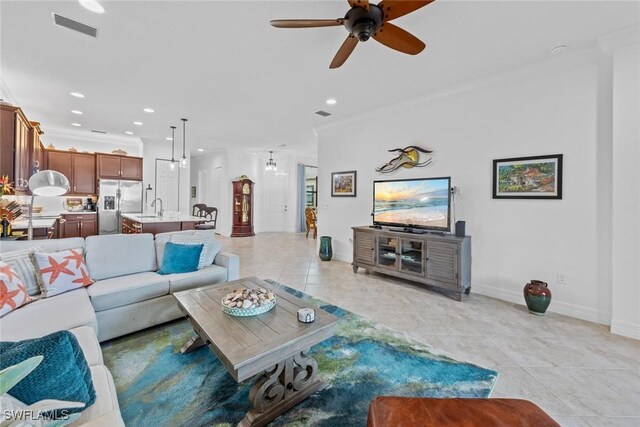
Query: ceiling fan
(365, 20)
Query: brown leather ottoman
(392, 411)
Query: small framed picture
(343, 184)
(193, 192)
(537, 177)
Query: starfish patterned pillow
(61, 271)
(13, 291)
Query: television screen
(419, 203)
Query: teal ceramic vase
(537, 296)
(326, 251)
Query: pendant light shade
(271, 165)
(172, 165)
(183, 161)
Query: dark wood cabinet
(242, 208)
(78, 225)
(131, 168)
(14, 146)
(36, 149)
(119, 167)
(79, 168)
(61, 161)
(84, 173)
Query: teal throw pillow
(180, 258)
(62, 375)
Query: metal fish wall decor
(408, 157)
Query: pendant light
(271, 165)
(172, 165)
(183, 160)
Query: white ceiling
(244, 83)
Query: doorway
(276, 188)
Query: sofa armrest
(229, 261)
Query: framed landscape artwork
(343, 184)
(537, 177)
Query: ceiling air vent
(99, 131)
(323, 113)
(61, 21)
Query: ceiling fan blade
(393, 9)
(306, 23)
(359, 3)
(399, 39)
(344, 52)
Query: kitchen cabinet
(36, 149)
(111, 166)
(78, 225)
(79, 168)
(14, 145)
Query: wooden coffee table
(273, 343)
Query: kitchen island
(154, 224)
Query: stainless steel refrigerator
(116, 197)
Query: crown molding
(622, 38)
(94, 137)
(567, 61)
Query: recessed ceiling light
(78, 112)
(148, 110)
(331, 101)
(76, 124)
(77, 94)
(201, 149)
(558, 49)
(129, 133)
(92, 5)
(168, 138)
(137, 123)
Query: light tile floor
(576, 371)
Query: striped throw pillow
(20, 261)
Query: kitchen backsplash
(50, 205)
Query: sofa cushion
(61, 271)
(180, 258)
(207, 276)
(47, 315)
(13, 291)
(106, 406)
(117, 255)
(44, 245)
(20, 260)
(89, 344)
(125, 290)
(63, 374)
(206, 237)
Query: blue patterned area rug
(157, 386)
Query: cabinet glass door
(411, 256)
(387, 251)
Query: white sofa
(127, 296)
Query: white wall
(150, 153)
(230, 164)
(547, 109)
(626, 190)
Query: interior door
(276, 188)
(167, 186)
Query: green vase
(537, 296)
(326, 252)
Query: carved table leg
(280, 388)
(193, 343)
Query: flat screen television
(423, 203)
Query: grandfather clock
(242, 208)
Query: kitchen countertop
(143, 218)
(23, 224)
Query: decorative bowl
(246, 312)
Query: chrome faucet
(153, 205)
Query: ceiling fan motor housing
(362, 23)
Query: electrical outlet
(563, 279)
